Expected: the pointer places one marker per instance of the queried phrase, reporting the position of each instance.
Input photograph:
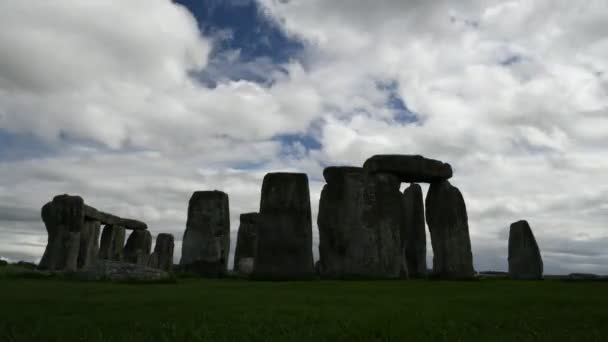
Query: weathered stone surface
(525, 261)
(246, 243)
(206, 241)
(446, 215)
(284, 231)
(109, 219)
(360, 219)
(64, 219)
(413, 232)
(89, 244)
(409, 168)
(162, 257)
(121, 271)
(138, 246)
(112, 243)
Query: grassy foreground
(237, 310)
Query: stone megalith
(525, 261)
(413, 232)
(138, 246)
(64, 220)
(162, 257)
(112, 243)
(206, 241)
(89, 243)
(360, 219)
(446, 215)
(246, 243)
(409, 168)
(284, 230)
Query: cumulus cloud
(513, 94)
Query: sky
(136, 104)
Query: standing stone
(446, 215)
(244, 254)
(112, 243)
(284, 234)
(360, 219)
(162, 258)
(525, 262)
(413, 233)
(206, 241)
(137, 249)
(89, 244)
(64, 220)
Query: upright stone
(446, 215)
(64, 220)
(525, 261)
(409, 168)
(162, 257)
(89, 244)
(206, 241)
(284, 234)
(360, 219)
(413, 233)
(112, 243)
(244, 254)
(137, 249)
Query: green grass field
(236, 310)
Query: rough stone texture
(112, 243)
(284, 234)
(360, 219)
(246, 243)
(109, 219)
(413, 232)
(162, 257)
(64, 219)
(525, 261)
(206, 241)
(409, 168)
(446, 215)
(89, 244)
(138, 246)
(121, 271)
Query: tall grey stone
(138, 246)
(64, 220)
(284, 231)
(112, 243)
(89, 244)
(446, 215)
(206, 241)
(246, 243)
(360, 220)
(413, 232)
(525, 261)
(162, 257)
(409, 168)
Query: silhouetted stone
(121, 271)
(64, 219)
(284, 231)
(89, 244)
(109, 219)
(246, 243)
(413, 233)
(525, 261)
(446, 215)
(206, 241)
(138, 246)
(112, 243)
(360, 219)
(409, 168)
(162, 257)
